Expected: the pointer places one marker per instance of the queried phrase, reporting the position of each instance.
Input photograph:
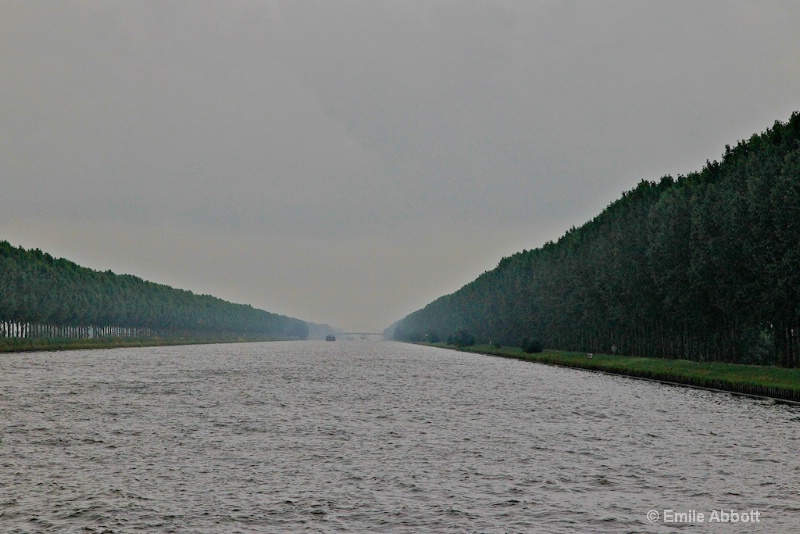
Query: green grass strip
(762, 381)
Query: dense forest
(703, 267)
(41, 296)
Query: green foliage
(461, 338)
(702, 267)
(531, 346)
(46, 297)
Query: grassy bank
(773, 382)
(43, 344)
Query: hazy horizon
(348, 162)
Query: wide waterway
(378, 437)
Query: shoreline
(762, 382)
(19, 345)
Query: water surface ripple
(374, 437)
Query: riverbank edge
(17, 345)
(758, 381)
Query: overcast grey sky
(348, 161)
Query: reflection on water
(369, 436)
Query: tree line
(41, 296)
(702, 267)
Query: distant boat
(330, 337)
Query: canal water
(378, 437)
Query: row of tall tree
(41, 296)
(702, 267)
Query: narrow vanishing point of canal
(378, 437)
